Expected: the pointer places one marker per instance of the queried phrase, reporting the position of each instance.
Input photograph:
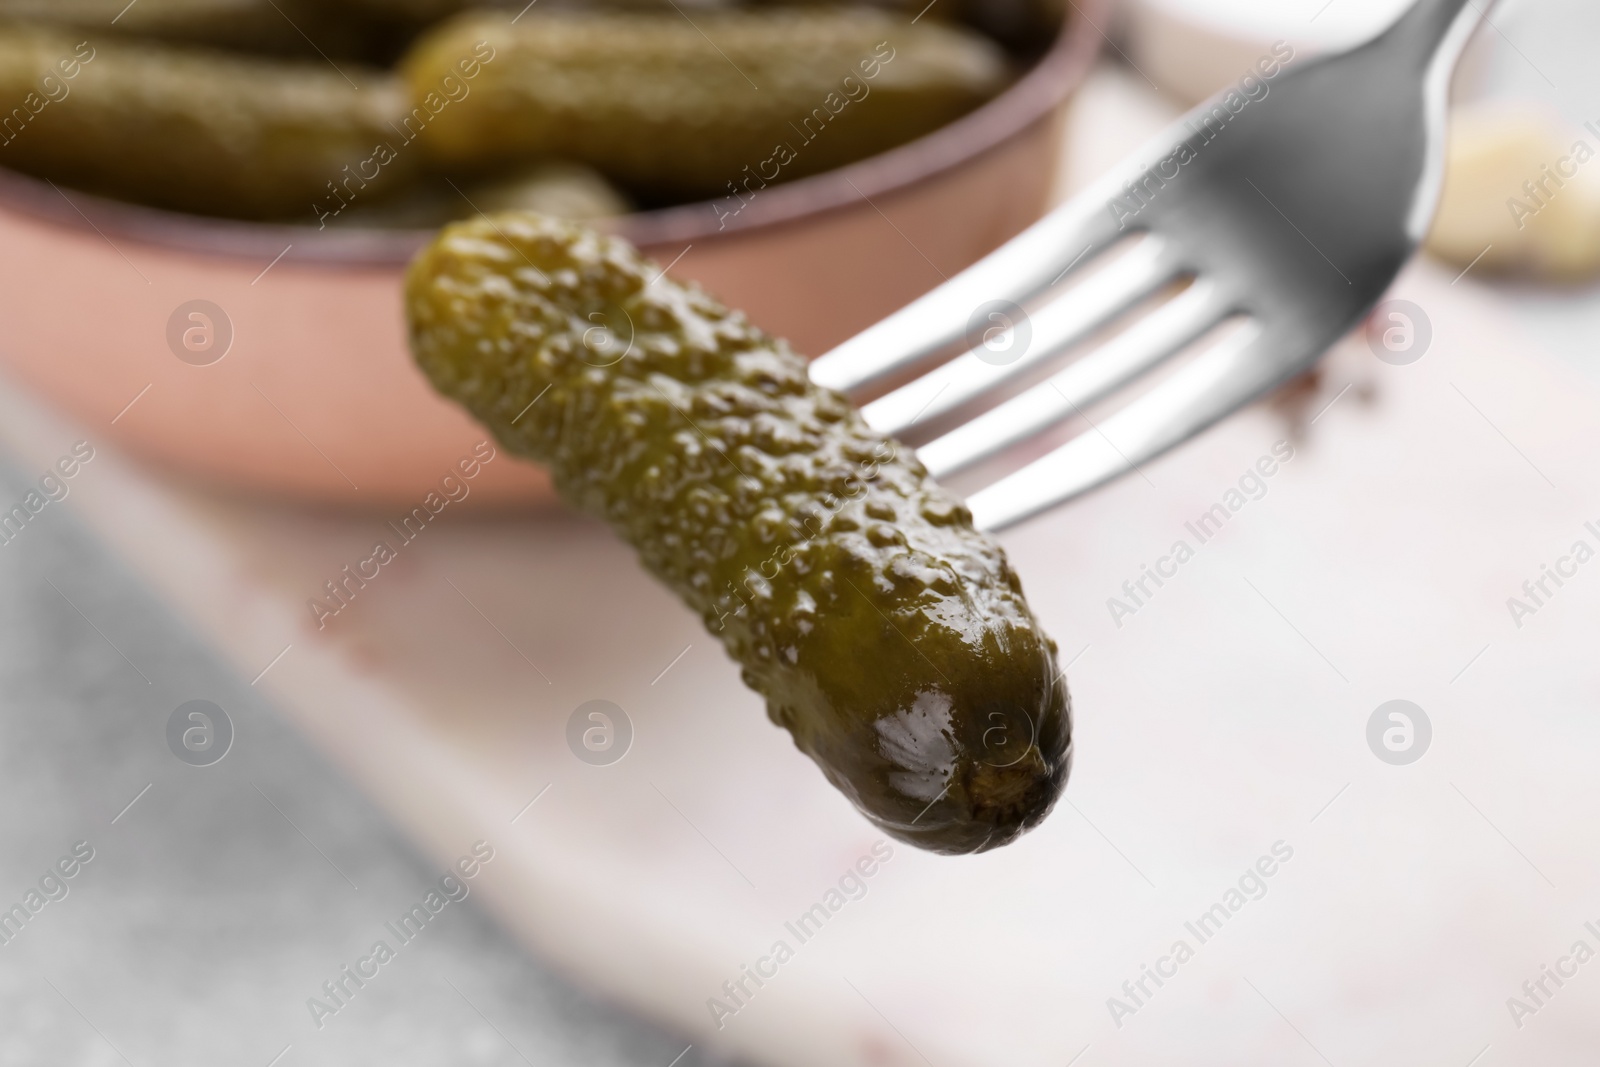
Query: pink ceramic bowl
(294, 380)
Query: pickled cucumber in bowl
(683, 108)
(266, 26)
(406, 113)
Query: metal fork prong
(1086, 382)
(1049, 332)
(1066, 240)
(1220, 380)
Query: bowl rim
(1048, 83)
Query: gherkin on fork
(887, 635)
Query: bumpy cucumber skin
(890, 638)
(658, 103)
(196, 131)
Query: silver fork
(1291, 213)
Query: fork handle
(1429, 39)
(1436, 31)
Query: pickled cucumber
(658, 102)
(198, 131)
(888, 636)
(564, 190)
(291, 27)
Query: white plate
(1227, 714)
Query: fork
(1288, 216)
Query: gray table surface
(219, 901)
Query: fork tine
(1086, 382)
(1214, 385)
(1063, 241)
(1055, 328)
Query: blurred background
(208, 416)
